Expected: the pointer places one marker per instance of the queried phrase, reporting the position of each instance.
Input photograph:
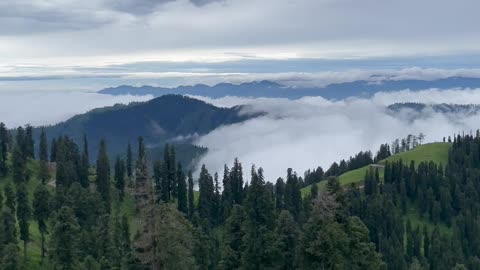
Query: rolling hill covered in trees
(169, 118)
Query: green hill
(169, 118)
(436, 152)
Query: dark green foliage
(206, 198)
(19, 172)
(53, 150)
(10, 259)
(258, 225)
(292, 195)
(103, 174)
(23, 216)
(129, 161)
(232, 246)
(10, 200)
(67, 157)
(286, 241)
(120, 177)
(182, 201)
(41, 212)
(43, 173)
(4, 144)
(85, 164)
(29, 143)
(191, 198)
(63, 242)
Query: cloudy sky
(87, 45)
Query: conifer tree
(18, 165)
(85, 164)
(41, 213)
(120, 177)
(191, 197)
(103, 174)
(129, 164)
(3, 149)
(285, 245)
(29, 143)
(43, 173)
(23, 217)
(53, 150)
(182, 201)
(206, 197)
(63, 241)
(259, 224)
(10, 199)
(232, 245)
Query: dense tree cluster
(139, 214)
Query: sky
(55, 53)
(68, 45)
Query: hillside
(160, 120)
(436, 152)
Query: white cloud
(312, 131)
(45, 108)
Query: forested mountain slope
(158, 121)
(436, 152)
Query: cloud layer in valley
(312, 131)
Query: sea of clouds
(299, 134)
(312, 131)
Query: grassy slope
(436, 152)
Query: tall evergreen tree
(259, 224)
(53, 150)
(129, 161)
(18, 165)
(182, 201)
(232, 245)
(85, 164)
(285, 244)
(41, 213)
(120, 177)
(103, 174)
(23, 217)
(43, 173)
(63, 241)
(191, 196)
(29, 143)
(206, 197)
(4, 142)
(10, 199)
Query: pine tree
(206, 198)
(53, 150)
(103, 174)
(120, 177)
(63, 242)
(3, 149)
(18, 165)
(85, 164)
(191, 196)
(23, 217)
(41, 212)
(10, 200)
(285, 245)
(280, 194)
(232, 245)
(259, 224)
(182, 202)
(10, 259)
(29, 143)
(43, 173)
(129, 161)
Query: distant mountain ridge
(334, 91)
(159, 120)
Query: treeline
(359, 160)
(446, 198)
(84, 223)
(407, 143)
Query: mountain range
(334, 91)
